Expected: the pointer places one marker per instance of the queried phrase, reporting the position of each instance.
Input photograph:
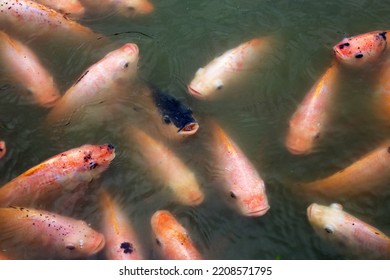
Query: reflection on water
(181, 37)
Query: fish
(63, 173)
(121, 240)
(381, 92)
(70, 8)
(350, 233)
(363, 175)
(30, 233)
(98, 84)
(3, 149)
(173, 117)
(165, 166)
(240, 181)
(225, 71)
(307, 124)
(28, 18)
(362, 49)
(24, 67)
(124, 8)
(173, 240)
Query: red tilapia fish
(28, 18)
(382, 92)
(361, 49)
(369, 171)
(124, 8)
(70, 8)
(60, 174)
(3, 149)
(225, 71)
(101, 82)
(166, 167)
(356, 237)
(239, 179)
(172, 238)
(29, 233)
(121, 240)
(24, 67)
(308, 122)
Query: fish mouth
(309, 211)
(259, 212)
(100, 245)
(194, 92)
(189, 129)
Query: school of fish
(36, 206)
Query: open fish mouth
(189, 129)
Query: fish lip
(296, 152)
(309, 211)
(101, 245)
(194, 92)
(258, 213)
(189, 129)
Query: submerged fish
(219, 75)
(121, 240)
(62, 173)
(24, 67)
(3, 149)
(70, 8)
(100, 82)
(30, 233)
(307, 124)
(125, 8)
(352, 234)
(241, 182)
(371, 170)
(172, 238)
(167, 167)
(361, 49)
(382, 92)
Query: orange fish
(241, 182)
(71, 8)
(356, 237)
(225, 71)
(167, 167)
(30, 233)
(59, 174)
(25, 68)
(369, 171)
(382, 92)
(307, 124)
(3, 149)
(361, 49)
(28, 18)
(99, 83)
(125, 8)
(121, 240)
(172, 238)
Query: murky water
(178, 38)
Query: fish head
(74, 9)
(253, 203)
(301, 139)
(207, 82)
(163, 225)
(362, 49)
(82, 241)
(123, 62)
(131, 8)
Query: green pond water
(174, 41)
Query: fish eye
(158, 242)
(317, 136)
(233, 195)
(126, 65)
(219, 85)
(166, 120)
(329, 229)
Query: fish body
(362, 49)
(350, 233)
(59, 174)
(31, 233)
(124, 8)
(382, 92)
(167, 167)
(121, 240)
(24, 67)
(307, 124)
(3, 149)
(369, 171)
(222, 73)
(71, 8)
(28, 18)
(99, 83)
(239, 179)
(172, 238)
